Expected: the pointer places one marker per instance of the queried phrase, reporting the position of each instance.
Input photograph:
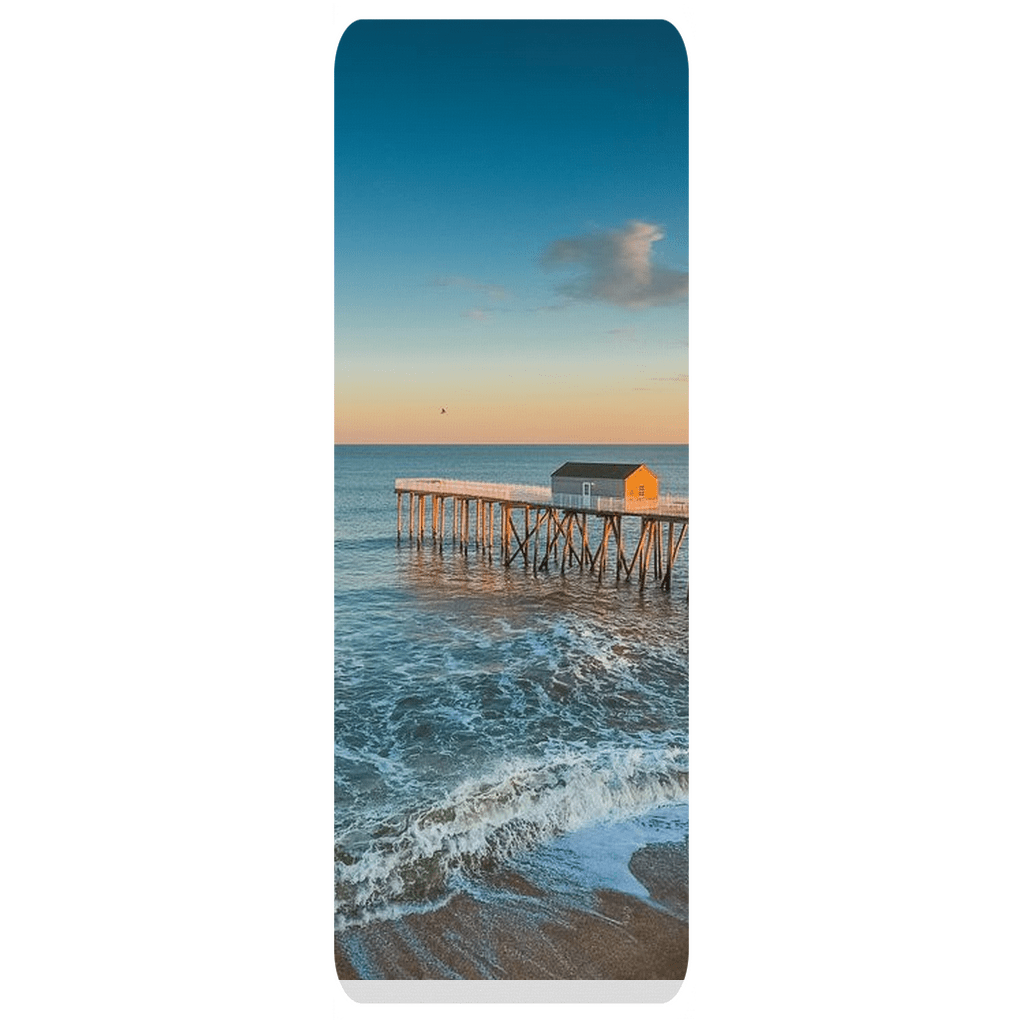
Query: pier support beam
(602, 551)
(673, 549)
(639, 548)
(646, 539)
(512, 532)
(666, 582)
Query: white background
(165, 407)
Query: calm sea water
(487, 719)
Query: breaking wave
(417, 859)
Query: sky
(511, 223)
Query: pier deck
(562, 519)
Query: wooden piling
(542, 515)
(526, 536)
(639, 547)
(602, 551)
(666, 581)
(617, 531)
(673, 549)
(646, 556)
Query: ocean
(502, 738)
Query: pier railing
(474, 489)
(529, 494)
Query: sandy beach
(531, 934)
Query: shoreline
(535, 935)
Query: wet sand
(534, 935)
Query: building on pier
(583, 481)
(552, 531)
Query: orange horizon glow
(635, 419)
(514, 407)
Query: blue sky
(511, 232)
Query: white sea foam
(415, 861)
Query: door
(586, 494)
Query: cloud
(679, 378)
(493, 291)
(477, 314)
(617, 267)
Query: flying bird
(443, 411)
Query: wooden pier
(552, 532)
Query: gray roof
(598, 470)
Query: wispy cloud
(477, 314)
(679, 378)
(617, 267)
(492, 291)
